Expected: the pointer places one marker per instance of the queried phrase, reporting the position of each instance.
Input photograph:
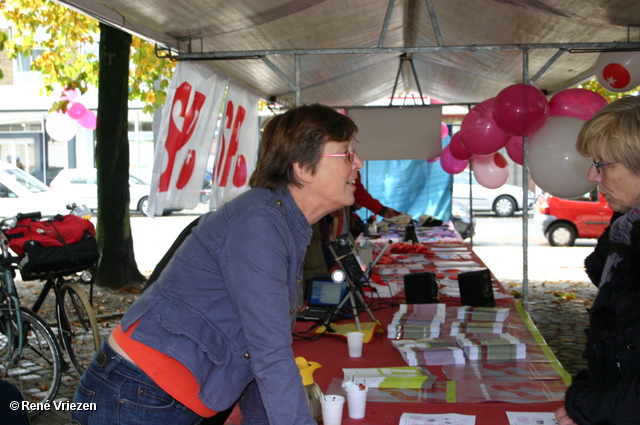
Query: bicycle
(77, 326)
(30, 356)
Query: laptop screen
(326, 292)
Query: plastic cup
(357, 401)
(355, 341)
(332, 409)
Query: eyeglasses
(349, 154)
(599, 165)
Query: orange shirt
(168, 373)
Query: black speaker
(421, 288)
(345, 252)
(410, 234)
(475, 288)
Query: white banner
(237, 146)
(186, 132)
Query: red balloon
(520, 109)
(458, 151)
(450, 164)
(577, 103)
(480, 133)
(515, 149)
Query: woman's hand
(563, 418)
(389, 212)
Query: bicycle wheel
(37, 372)
(78, 326)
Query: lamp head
(338, 276)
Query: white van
(20, 192)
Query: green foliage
(3, 39)
(70, 57)
(595, 86)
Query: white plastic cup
(355, 341)
(332, 406)
(357, 401)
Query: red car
(564, 220)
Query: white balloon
(491, 171)
(61, 127)
(618, 72)
(555, 165)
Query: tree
(595, 86)
(117, 263)
(126, 68)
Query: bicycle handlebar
(35, 214)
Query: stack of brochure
(417, 314)
(427, 330)
(482, 314)
(390, 377)
(430, 352)
(500, 347)
(476, 327)
(416, 321)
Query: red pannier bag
(61, 245)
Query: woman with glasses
(215, 327)
(608, 391)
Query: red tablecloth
(332, 353)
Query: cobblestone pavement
(557, 308)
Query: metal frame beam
(255, 54)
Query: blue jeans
(123, 394)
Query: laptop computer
(323, 296)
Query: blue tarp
(414, 187)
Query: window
(5, 192)
(24, 74)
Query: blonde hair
(613, 134)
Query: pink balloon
(450, 164)
(491, 171)
(444, 130)
(480, 133)
(76, 111)
(89, 120)
(515, 149)
(433, 159)
(520, 109)
(577, 103)
(458, 151)
(69, 95)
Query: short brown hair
(298, 135)
(613, 134)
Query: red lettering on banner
(224, 161)
(187, 169)
(177, 138)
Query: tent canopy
(353, 52)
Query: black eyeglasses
(599, 165)
(349, 154)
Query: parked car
(81, 182)
(563, 220)
(462, 220)
(20, 192)
(503, 201)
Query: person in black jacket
(608, 391)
